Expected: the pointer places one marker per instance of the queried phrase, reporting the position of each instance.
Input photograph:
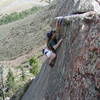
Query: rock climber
(52, 42)
(52, 45)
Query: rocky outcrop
(76, 73)
(67, 7)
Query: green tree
(34, 63)
(10, 80)
(2, 85)
(22, 74)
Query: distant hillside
(22, 36)
(9, 6)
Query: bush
(34, 62)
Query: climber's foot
(52, 64)
(97, 89)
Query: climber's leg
(51, 56)
(52, 59)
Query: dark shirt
(52, 43)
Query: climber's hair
(49, 35)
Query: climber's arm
(58, 44)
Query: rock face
(76, 73)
